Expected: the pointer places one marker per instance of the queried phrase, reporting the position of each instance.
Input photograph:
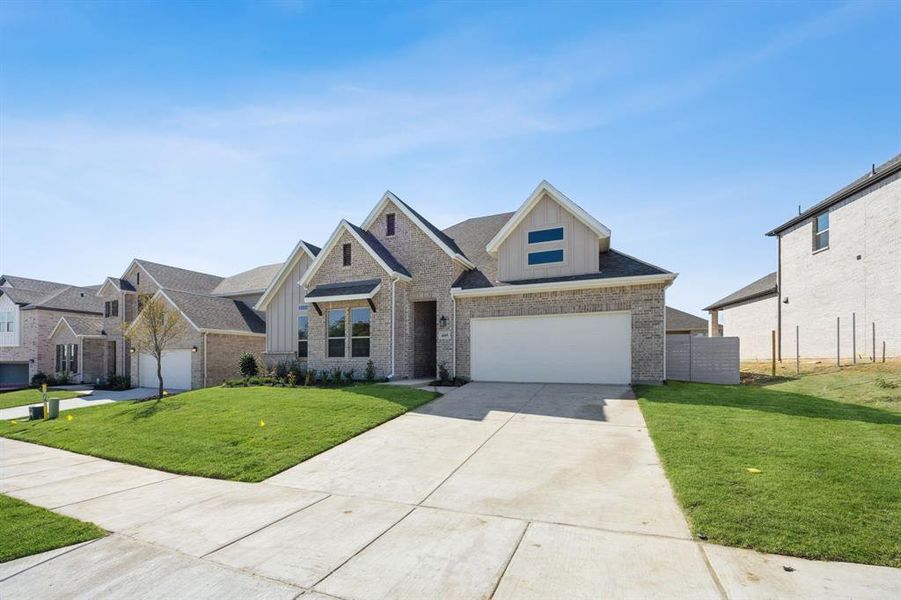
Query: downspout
(393, 285)
(454, 336)
(204, 358)
(779, 297)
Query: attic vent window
(390, 224)
(539, 236)
(138, 278)
(346, 254)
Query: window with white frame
(337, 330)
(7, 321)
(303, 331)
(359, 332)
(821, 232)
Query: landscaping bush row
(40, 378)
(292, 373)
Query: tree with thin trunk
(156, 328)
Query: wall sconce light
(785, 300)
(193, 348)
(131, 350)
(442, 322)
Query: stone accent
(645, 302)
(859, 273)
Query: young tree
(158, 325)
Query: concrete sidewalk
(88, 398)
(504, 491)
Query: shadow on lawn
(144, 409)
(762, 399)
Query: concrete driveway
(494, 490)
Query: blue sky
(214, 135)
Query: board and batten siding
(579, 244)
(282, 313)
(10, 338)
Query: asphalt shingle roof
(85, 325)
(253, 280)
(175, 278)
(763, 287)
(36, 285)
(214, 312)
(448, 240)
(71, 298)
(473, 235)
(383, 253)
(348, 288)
(610, 264)
(678, 320)
(122, 284)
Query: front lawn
(26, 529)
(31, 396)
(828, 448)
(244, 434)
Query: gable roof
(302, 247)
(22, 297)
(254, 280)
(26, 283)
(764, 287)
(70, 298)
(213, 314)
(601, 230)
(176, 278)
(379, 253)
(877, 174)
(444, 241)
(679, 320)
(80, 326)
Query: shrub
(292, 378)
(281, 369)
(61, 378)
(443, 373)
(261, 380)
(310, 378)
(115, 382)
(324, 377)
(297, 369)
(248, 366)
(336, 376)
(349, 376)
(232, 383)
(40, 378)
(370, 371)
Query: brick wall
(646, 303)
(836, 283)
(223, 353)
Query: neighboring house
(838, 278)
(30, 310)
(681, 322)
(534, 295)
(750, 315)
(221, 322)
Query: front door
(425, 343)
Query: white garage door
(577, 348)
(176, 370)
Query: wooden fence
(702, 359)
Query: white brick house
(533, 295)
(837, 289)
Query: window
(138, 277)
(359, 332)
(111, 308)
(546, 257)
(106, 309)
(303, 332)
(66, 358)
(337, 328)
(821, 232)
(142, 300)
(7, 321)
(346, 254)
(389, 224)
(539, 236)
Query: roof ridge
(142, 261)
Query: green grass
(828, 446)
(30, 396)
(217, 432)
(26, 529)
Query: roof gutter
(556, 286)
(837, 197)
(756, 296)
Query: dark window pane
(106, 309)
(389, 224)
(73, 358)
(336, 348)
(359, 346)
(302, 349)
(359, 318)
(346, 251)
(59, 353)
(546, 235)
(542, 258)
(114, 308)
(302, 327)
(336, 323)
(822, 222)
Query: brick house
(837, 287)
(533, 295)
(222, 324)
(30, 310)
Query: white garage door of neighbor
(176, 370)
(577, 348)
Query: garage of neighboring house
(566, 348)
(13, 374)
(176, 369)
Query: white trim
(283, 273)
(544, 187)
(393, 325)
(238, 293)
(330, 245)
(555, 263)
(348, 297)
(388, 196)
(533, 288)
(207, 330)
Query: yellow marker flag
(754, 471)
(14, 422)
(69, 417)
(262, 423)
(165, 393)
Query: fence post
(838, 341)
(883, 350)
(797, 351)
(773, 344)
(854, 338)
(874, 341)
